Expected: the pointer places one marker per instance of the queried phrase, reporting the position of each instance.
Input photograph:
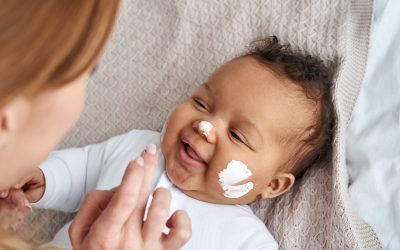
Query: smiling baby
(253, 127)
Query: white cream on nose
(205, 127)
(235, 172)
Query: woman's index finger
(126, 197)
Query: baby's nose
(205, 129)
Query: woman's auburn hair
(46, 44)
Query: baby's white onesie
(71, 173)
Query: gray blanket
(161, 50)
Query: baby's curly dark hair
(315, 78)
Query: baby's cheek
(163, 130)
(169, 130)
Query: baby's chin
(170, 177)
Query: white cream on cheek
(205, 127)
(235, 172)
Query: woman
(47, 51)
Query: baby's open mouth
(189, 157)
(192, 153)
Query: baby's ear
(279, 185)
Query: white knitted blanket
(161, 50)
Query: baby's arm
(69, 174)
(61, 184)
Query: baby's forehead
(246, 78)
(244, 72)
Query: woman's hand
(11, 217)
(27, 191)
(15, 202)
(114, 219)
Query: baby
(248, 132)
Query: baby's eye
(200, 104)
(237, 136)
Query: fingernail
(13, 228)
(151, 148)
(27, 204)
(140, 161)
(3, 194)
(17, 186)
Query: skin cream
(235, 172)
(205, 127)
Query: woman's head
(47, 50)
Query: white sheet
(373, 142)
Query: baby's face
(223, 145)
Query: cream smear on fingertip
(235, 172)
